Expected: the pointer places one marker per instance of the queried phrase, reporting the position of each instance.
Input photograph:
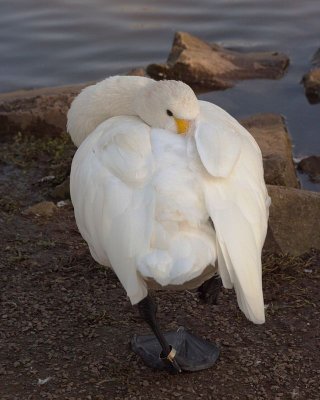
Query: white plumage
(144, 196)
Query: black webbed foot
(209, 291)
(175, 351)
(192, 352)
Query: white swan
(154, 166)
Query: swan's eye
(170, 113)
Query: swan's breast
(179, 195)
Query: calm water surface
(48, 43)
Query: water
(70, 41)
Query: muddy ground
(66, 324)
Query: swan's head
(170, 105)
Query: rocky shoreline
(43, 112)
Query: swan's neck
(114, 96)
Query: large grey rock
(209, 66)
(271, 134)
(294, 223)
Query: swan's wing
(217, 137)
(238, 206)
(112, 198)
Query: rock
(211, 67)
(311, 82)
(271, 134)
(36, 112)
(274, 166)
(43, 209)
(311, 166)
(62, 191)
(294, 226)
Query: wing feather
(238, 206)
(113, 199)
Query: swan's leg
(190, 353)
(148, 309)
(210, 289)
